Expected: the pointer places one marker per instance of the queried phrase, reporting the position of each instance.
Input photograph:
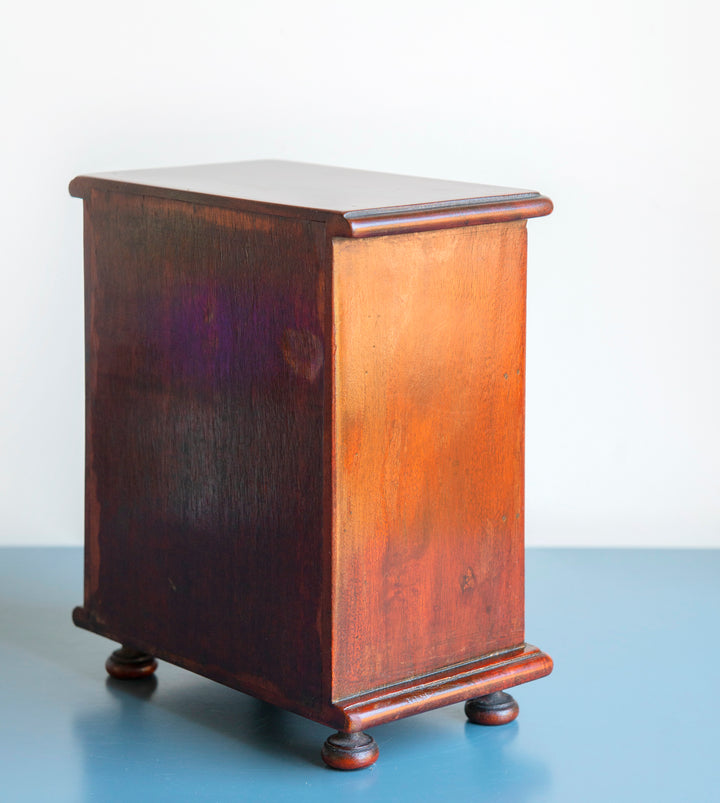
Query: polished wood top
(354, 203)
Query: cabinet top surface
(359, 202)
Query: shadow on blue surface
(611, 723)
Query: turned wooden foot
(349, 751)
(129, 664)
(497, 708)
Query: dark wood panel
(429, 359)
(205, 436)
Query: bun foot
(349, 751)
(129, 664)
(497, 708)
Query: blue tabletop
(630, 712)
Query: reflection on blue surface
(629, 712)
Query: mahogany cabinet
(305, 437)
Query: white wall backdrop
(610, 108)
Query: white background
(610, 108)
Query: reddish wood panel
(205, 387)
(429, 357)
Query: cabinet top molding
(351, 203)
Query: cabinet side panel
(429, 451)
(205, 438)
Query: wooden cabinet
(305, 435)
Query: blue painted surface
(630, 713)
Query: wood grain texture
(205, 437)
(452, 685)
(429, 358)
(304, 451)
(350, 203)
